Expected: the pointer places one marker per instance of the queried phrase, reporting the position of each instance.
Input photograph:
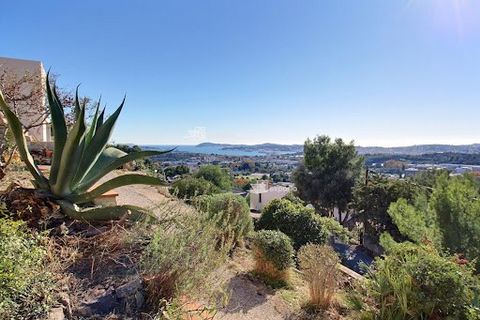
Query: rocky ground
(248, 297)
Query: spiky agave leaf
(89, 133)
(71, 155)
(17, 130)
(98, 143)
(78, 108)
(117, 182)
(93, 125)
(100, 119)
(110, 160)
(59, 128)
(129, 212)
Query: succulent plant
(81, 157)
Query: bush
(231, 214)
(448, 217)
(319, 267)
(216, 175)
(274, 253)
(298, 222)
(174, 171)
(180, 259)
(189, 188)
(25, 284)
(415, 282)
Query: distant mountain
(297, 148)
(263, 148)
(422, 149)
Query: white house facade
(30, 77)
(262, 193)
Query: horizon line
(298, 144)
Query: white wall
(16, 69)
(267, 195)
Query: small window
(259, 198)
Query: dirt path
(251, 301)
(249, 298)
(138, 195)
(149, 197)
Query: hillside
(407, 150)
(263, 148)
(422, 149)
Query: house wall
(267, 195)
(16, 69)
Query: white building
(463, 170)
(259, 175)
(26, 78)
(262, 193)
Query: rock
(56, 314)
(129, 289)
(64, 299)
(83, 311)
(125, 299)
(139, 299)
(94, 231)
(102, 305)
(131, 295)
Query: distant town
(276, 162)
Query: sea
(212, 149)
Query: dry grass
(93, 256)
(17, 175)
(264, 267)
(319, 267)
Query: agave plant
(80, 159)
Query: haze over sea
(214, 149)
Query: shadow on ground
(245, 294)
(354, 257)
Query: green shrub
(416, 282)
(300, 223)
(216, 175)
(189, 188)
(231, 214)
(178, 170)
(473, 313)
(449, 217)
(25, 284)
(274, 253)
(180, 258)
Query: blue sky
(394, 72)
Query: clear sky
(382, 72)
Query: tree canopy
(373, 198)
(449, 218)
(216, 175)
(328, 173)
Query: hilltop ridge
(408, 150)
